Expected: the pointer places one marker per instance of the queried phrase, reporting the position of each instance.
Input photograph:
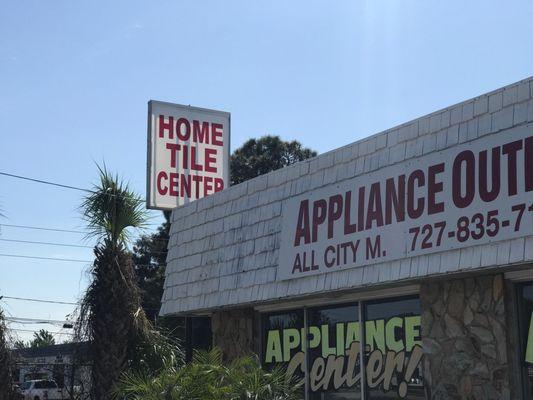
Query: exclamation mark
(416, 356)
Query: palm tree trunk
(114, 300)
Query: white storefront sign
(188, 154)
(470, 194)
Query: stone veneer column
(465, 337)
(233, 332)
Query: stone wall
(464, 332)
(233, 332)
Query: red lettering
(207, 185)
(484, 180)
(200, 135)
(216, 132)
(510, 149)
(434, 187)
(375, 208)
(197, 179)
(160, 188)
(174, 184)
(334, 212)
(185, 157)
(348, 226)
(319, 216)
(415, 210)
(166, 126)
(194, 165)
(210, 160)
(528, 163)
(185, 185)
(395, 199)
(183, 135)
(361, 209)
(465, 157)
(174, 149)
(302, 226)
(219, 184)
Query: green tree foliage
(6, 380)
(268, 153)
(41, 339)
(207, 378)
(111, 317)
(149, 258)
(20, 344)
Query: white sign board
(474, 193)
(188, 154)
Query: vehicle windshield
(26, 385)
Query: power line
(38, 300)
(44, 182)
(58, 185)
(42, 228)
(54, 301)
(23, 320)
(46, 243)
(44, 258)
(73, 231)
(61, 259)
(29, 330)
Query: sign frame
(149, 158)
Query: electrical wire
(38, 300)
(44, 258)
(26, 178)
(55, 302)
(42, 228)
(61, 259)
(70, 231)
(23, 320)
(46, 243)
(44, 182)
(29, 330)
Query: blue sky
(75, 78)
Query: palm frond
(111, 208)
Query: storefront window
(283, 340)
(334, 353)
(198, 335)
(393, 352)
(526, 327)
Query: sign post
(188, 154)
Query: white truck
(41, 389)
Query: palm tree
(207, 378)
(111, 317)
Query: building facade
(64, 363)
(399, 266)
